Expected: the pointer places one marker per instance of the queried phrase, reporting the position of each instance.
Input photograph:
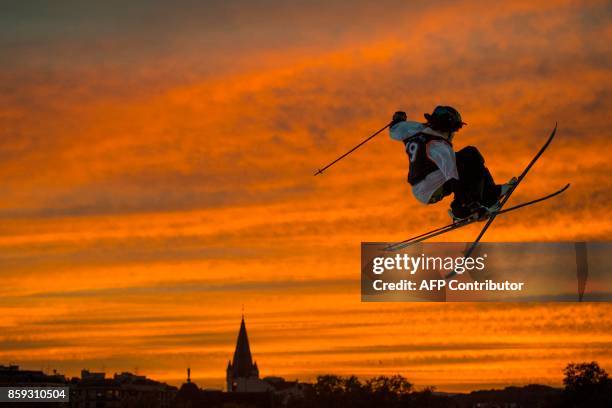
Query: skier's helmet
(445, 119)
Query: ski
(456, 225)
(490, 220)
(429, 234)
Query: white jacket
(440, 153)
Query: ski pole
(320, 171)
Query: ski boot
(504, 189)
(473, 211)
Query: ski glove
(398, 117)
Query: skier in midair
(436, 170)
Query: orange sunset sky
(156, 174)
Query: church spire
(242, 364)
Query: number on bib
(412, 150)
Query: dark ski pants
(475, 185)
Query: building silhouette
(242, 373)
(192, 396)
(92, 389)
(122, 390)
(12, 376)
(244, 386)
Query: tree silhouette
(386, 391)
(333, 391)
(337, 391)
(587, 385)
